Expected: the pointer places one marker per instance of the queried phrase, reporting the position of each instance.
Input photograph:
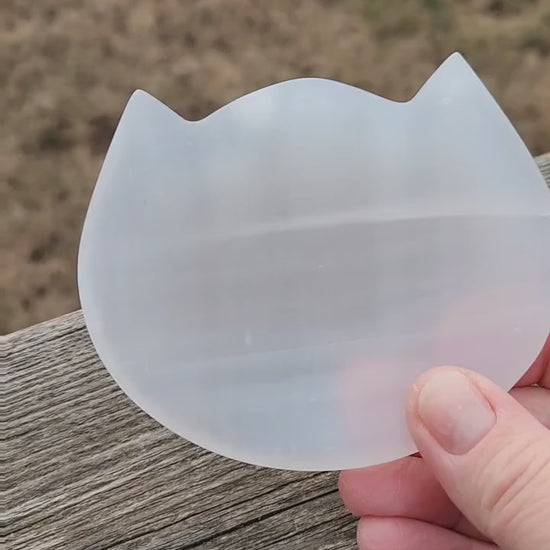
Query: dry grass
(68, 66)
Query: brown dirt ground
(67, 68)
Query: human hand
(483, 479)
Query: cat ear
(146, 113)
(148, 138)
(469, 134)
(145, 123)
(453, 78)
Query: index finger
(539, 372)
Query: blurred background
(67, 68)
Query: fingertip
(374, 533)
(404, 487)
(347, 487)
(363, 490)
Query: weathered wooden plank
(544, 165)
(87, 469)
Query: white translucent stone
(267, 282)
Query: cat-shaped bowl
(267, 282)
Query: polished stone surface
(267, 282)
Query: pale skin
(482, 478)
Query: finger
(543, 361)
(490, 455)
(536, 400)
(407, 488)
(539, 373)
(402, 488)
(410, 534)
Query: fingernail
(454, 411)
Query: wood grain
(85, 468)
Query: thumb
(489, 454)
